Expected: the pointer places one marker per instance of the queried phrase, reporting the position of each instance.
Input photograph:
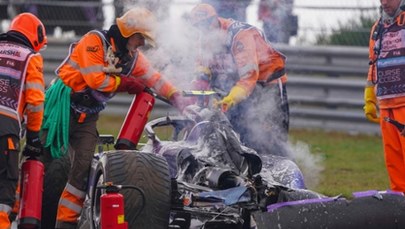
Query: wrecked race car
(202, 176)
(219, 183)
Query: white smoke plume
(310, 164)
(175, 57)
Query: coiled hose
(56, 118)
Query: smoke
(271, 139)
(310, 164)
(176, 52)
(178, 45)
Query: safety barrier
(325, 86)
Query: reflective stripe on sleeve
(36, 108)
(244, 71)
(35, 86)
(91, 69)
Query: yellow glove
(236, 95)
(370, 107)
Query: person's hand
(236, 95)
(225, 104)
(33, 146)
(370, 110)
(403, 132)
(370, 107)
(130, 85)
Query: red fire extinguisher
(112, 209)
(135, 121)
(32, 176)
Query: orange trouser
(394, 148)
(70, 205)
(4, 221)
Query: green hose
(56, 118)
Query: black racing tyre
(145, 171)
(56, 176)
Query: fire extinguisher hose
(56, 118)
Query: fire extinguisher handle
(148, 90)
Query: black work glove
(33, 146)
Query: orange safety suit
(248, 61)
(84, 68)
(82, 71)
(386, 74)
(22, 92)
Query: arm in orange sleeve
(244, 52)
(152, 78)
(34, 93)
(371, 76)
(246, 58)
(370, 100)
(89, 54)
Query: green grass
(332, 163)
(350, 162)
